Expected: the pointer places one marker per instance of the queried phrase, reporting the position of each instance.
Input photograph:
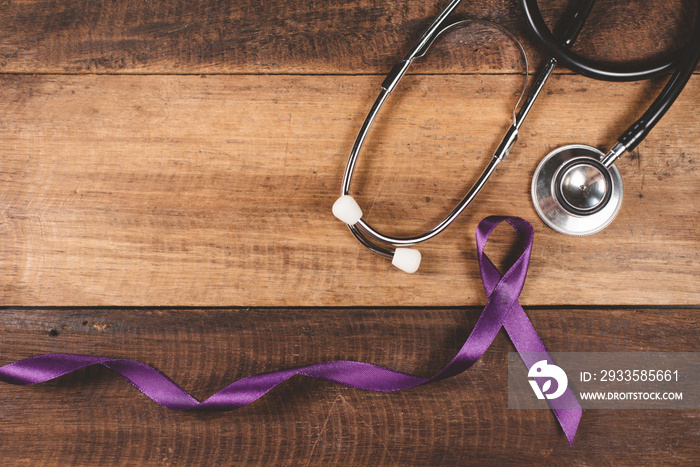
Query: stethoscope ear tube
(346, 208)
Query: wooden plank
(94, 417)
(305, 36)
(216, 191)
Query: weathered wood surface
(309, 37)
(216, 191)
(95, 417)
(175, 190)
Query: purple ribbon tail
(522, 333)
(502, 310)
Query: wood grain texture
(301, 36)
(174, 189)
(94, 417)
(216, 191)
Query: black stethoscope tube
(684, 63)
(639, 130)
(564, 202)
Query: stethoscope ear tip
(347, 210)
(406, 259)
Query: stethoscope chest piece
(574, 193)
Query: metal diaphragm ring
(574, 193)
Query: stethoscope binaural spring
(576, 189)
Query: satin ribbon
(502, 309)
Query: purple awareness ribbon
(502, 309)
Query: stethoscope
(576, 189)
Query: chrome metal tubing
(434, 30)
(535, 90)
(381, 251)
(613, 155)
(378, 242)
(361, 136)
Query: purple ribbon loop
(502, 309)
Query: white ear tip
(347, 210)
(406, 259)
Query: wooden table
(168, 170)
